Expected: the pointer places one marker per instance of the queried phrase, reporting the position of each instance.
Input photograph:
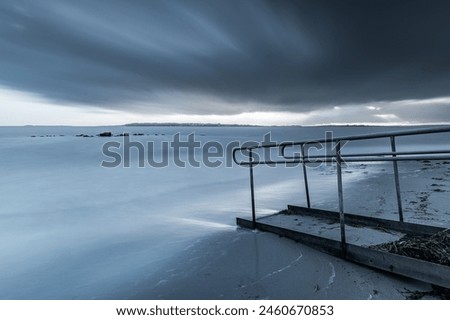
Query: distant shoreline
(176, 124)
(222, 125)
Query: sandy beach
(244, 264)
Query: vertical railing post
(305, 176)
(252, 189)
(341, 197)
(397, 180)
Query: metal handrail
(340, 159)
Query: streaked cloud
(306, 57)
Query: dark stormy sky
(304, 62)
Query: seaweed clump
(436, 292)
(435, 248)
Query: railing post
(397, 180)
(341, 197)
(252, 189)
(305, 176)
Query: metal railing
(340, 159)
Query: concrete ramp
(320, 229)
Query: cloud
(226, 57)
(387, 116)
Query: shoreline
(244, 264)
(234, 275)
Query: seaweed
(436, 292)
(435, 248)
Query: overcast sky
(265, 62)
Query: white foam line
(275, 272)
(160, 283)
(332, 276)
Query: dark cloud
(280, 55)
